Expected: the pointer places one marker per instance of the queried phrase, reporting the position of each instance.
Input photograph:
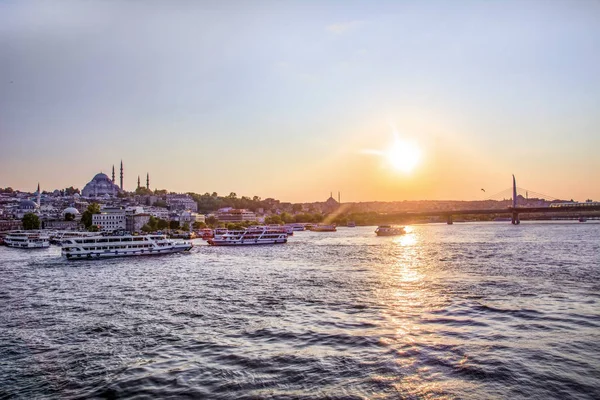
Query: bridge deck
(509, 210)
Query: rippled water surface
(468, 311)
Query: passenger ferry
(27, 240)
(250, 236)
(296, 226)
(289, 230)
(58, 237)
(389, 230)
(121, 246)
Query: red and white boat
(251, 236)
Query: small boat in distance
(27, 240)
(120, 246)
(323, 228)
(351, 224)
(390, 230)
(250, 236)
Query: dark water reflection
(465, 311)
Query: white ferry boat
(120, 246)
(278, 228)
(58, 237)
(251, 236)
(389, 230)
(296, 227)
(27, 240)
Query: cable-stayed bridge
(520, 201)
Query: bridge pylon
(515, 218)
(515, 215)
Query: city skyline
(294, 100)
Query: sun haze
(278, 99)
(404, 155)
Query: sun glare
(403, 155)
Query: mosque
(102, 186)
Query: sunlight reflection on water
(462, 311)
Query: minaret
(39, 196)
(339, 198)
(147, 180)
(138, 182)
(121, 174)
(113, 175)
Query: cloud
(343, 27)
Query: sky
(297, 99)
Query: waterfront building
(235, 215)
(10, 225)
(134, 223)
(100, 186)
(110, 219)
(190, 217)
(158, 212)
(61, 225)
(181, 202)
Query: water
(468, 311)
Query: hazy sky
(289, 99)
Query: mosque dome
(70, 210)
(27, 205)
(101, 177)
(100, 185)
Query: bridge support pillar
(515, 219)
(449, 221)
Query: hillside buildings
(235, 215)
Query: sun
(404, 155)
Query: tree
(160, 203)
(70, 191)
(287, 218)
(69, 217)
(199, 225)
(186, 226)
(173, 224)
(273, 220)
(212, 220)
(153, 224)
(86, 217)
(31, 221)
(93, 228)
(162, 224)
(142, 191)
(146, 228)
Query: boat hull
(44, 245)
(249, 242)
(96, 254)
